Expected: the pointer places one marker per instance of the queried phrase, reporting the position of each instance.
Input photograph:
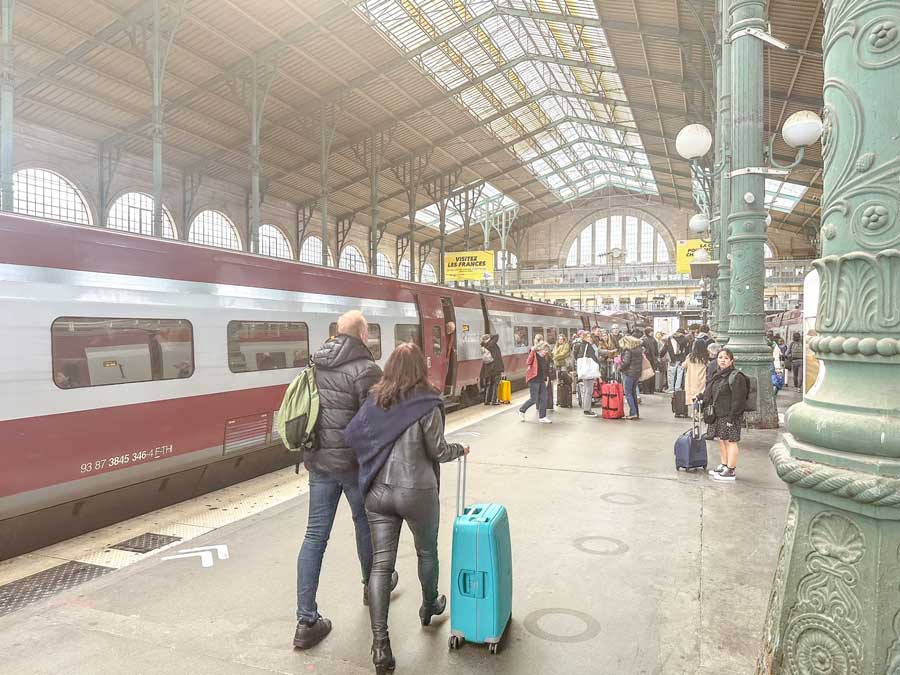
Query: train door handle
(428, 361)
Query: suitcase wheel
(494, 647)
(455, 642)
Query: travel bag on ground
(690, 448)
(612, 397)
(564, 395)
(549, 388)
(679, 403)
(504, 391)
(481, 574)
(660, 380)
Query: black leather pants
(386, 508)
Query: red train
(138, 372)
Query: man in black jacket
(651, 350)
(675, 349)
(345, 370)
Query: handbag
(587, 368)
(646, 369)
(486, 356)
(709, 413)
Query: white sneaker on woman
(545, 420)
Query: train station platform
(621, 565)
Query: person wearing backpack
(344, 372)
(724, 403)
(491, 367)
(398, 438)
(794, 360)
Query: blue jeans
(631, 394)
(324, 496)
(676, 376)
(538, 390)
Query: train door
(450, 332)
(434, 338)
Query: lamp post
(835, 601)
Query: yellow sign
(687, 248)
(469, 266)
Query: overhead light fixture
(693, 141)
(699, 223)
(802, 129)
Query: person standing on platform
(675, 351)
(616, 336)
(695, 372)
(795, 359)
(491, 371)
(725, 399)
(713, 351)
(398, 437)
(632, 365)
(587, 349)
(663, 362)
(345, 370)
(651, 351)
(607, 351)
(536, 375)
(561, 352)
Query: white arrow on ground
(205, 553)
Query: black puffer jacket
(345, 370)
(632, 350)
(495, 367)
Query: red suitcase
(613, 400)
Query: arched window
(428, 274)
(501, 257)
(637, 239)
(351, 259)
(767, 252)
(311, 251)
(46, 194)
(133, 212)
(272, 242)
(403, 270)
(383, 265)
(212, 228)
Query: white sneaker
(545, 420)
(521, 416)
(718, 469)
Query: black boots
(382, 656)
(310, 634)
(436, 608)
(395, 578)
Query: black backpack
(752, 393)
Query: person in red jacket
(536, 375)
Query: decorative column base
(835, 601)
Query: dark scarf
(373, 431)
(710, 386)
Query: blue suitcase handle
(471, 584)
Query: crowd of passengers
(364, 411)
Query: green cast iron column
(724, 143)
(835, 603)
(747, 219)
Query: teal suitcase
(481, 578)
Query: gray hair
(713, 349)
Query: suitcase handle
(696, 419)
(461, 485)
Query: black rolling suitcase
(550, 405)
(679, 404)
(564, 395)
(690, 448)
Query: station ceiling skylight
(490, 200)
(783, 196)
(533, 78)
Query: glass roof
(490, 201)
(533, 78)
(783, 196)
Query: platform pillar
(723, 283)
(747, 218)
(326, 138)
(835, 602)
(7, 101)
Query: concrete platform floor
(621, 565)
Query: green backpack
(299, 413)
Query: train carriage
(137, 372)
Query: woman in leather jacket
(725, 399)
(632, 365)
(398, 436)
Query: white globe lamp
(802, 129)
(699, 223)
(693, 141)
(701, 256)
(768, 219)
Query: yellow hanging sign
(687, 249)
(469, 266)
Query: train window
(550, 336)
(95, 351)
(437, 340)
(267, 345)
(521, 336)
(374, 338)
(564, 332)
(535, 332)
(407, 332)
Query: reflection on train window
(407, 332)
(550, 336)
(535, 332)
(267, 345)
(437, 340)
(374, 338)
(93, 351)
(521, 335)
